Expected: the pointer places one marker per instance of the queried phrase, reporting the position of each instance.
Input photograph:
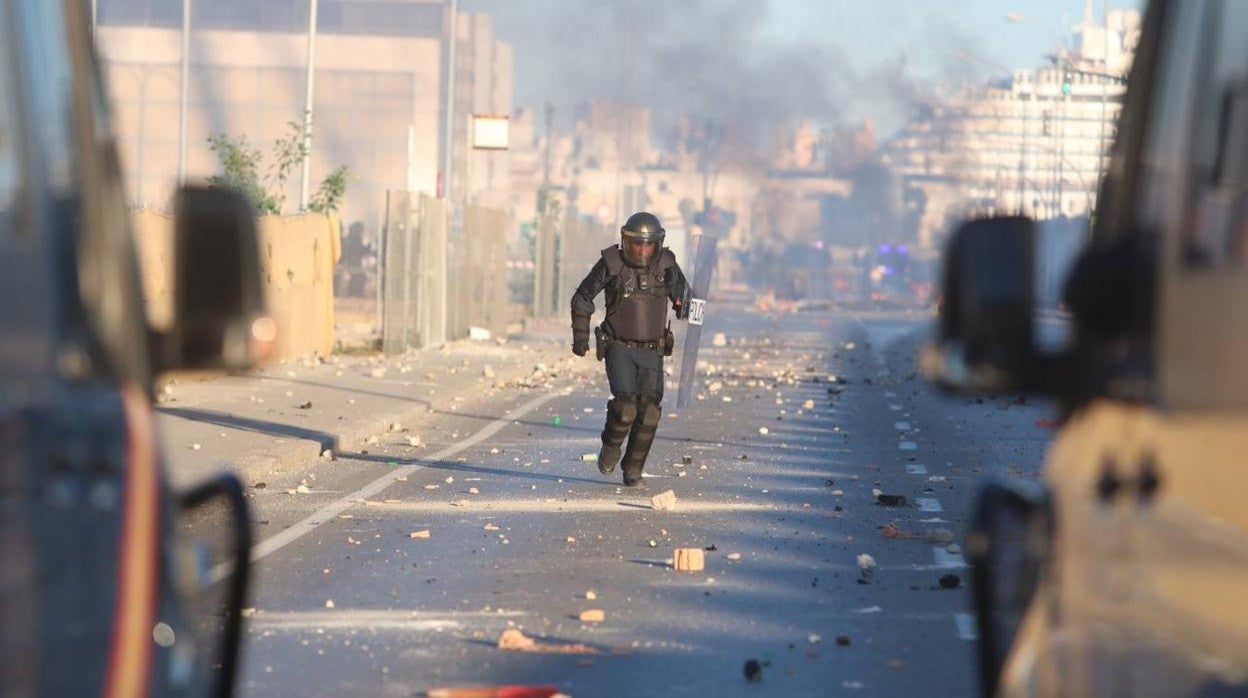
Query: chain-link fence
(437, 282)
(414, 272)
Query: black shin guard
(621, 415)
(641, 439)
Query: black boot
(621, 414)
(640, 441)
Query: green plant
(241, 166)
(329, 195)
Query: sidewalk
(290, 413)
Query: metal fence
(439, 279)
(581, 244)
(414, 272)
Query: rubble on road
(593, 615)
(866, 567)
(419, 534)
(664, 501)
(689, 560)
(515, 640)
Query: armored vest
(637, 296)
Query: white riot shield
(699, 288)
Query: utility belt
(603, 340)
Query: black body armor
(637, 297)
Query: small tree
(241, 163)
(329, 195)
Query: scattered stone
(892, 530)
(415, 442)
(808, 405)
(593, 615)
(940, 536)
(329, 603)
(491, 527)
(488, 372)
(814, 638)
(307, 405)
(196, 447)
(764, 431)
(734, 556)
(888, 500)
(590, 595)
(395, 426)
(473, 490)
(753, 670)
(327, 454)
(690, 560)
(866, 566)
(248, 613)
(664, 501)
(720, 340)
(432, 487)
(260, 485)
(686, 460)
(378, 372)
(842, 640)
(513, 639)
(950, 581)
(653, 543)
(302, 489)
(419, 534)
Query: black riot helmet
(641, 227)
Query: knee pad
(624, 407)
(651, 413)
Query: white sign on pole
(491, 132)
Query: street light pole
(448, 119)
(186, 63)
(309, 81)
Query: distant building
(1033, 143)
(378, 92)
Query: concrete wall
(297, 257)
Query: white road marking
(908, 446)
(916, 469)
(966, 626)
(901, 426)
(929, 504)
(330, 511)
(367, 619)
(944, 558)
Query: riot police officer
(640, 278)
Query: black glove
(580, 347)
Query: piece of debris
(808, 405)
(950, 581)
(473, 490)
(415, 442)
(593, 615)
(664, 501)
(196, 447)
(719, 340)
(305, 405)
(432, 487)
(248, 612)
(419, 534)
(734, 556)
(570, 539)
(892, 530)
(491, 527)
(653, 543)
(764, 431)
(842, 640)
(888, 500)
(590, 595)
(513, 639)
(302, 489)
(940, 536)
(450, 480)
(488, 371)
(378, 372)
(686, 460)
(327, 454)
(814, 638)
(329, 603)
(866, 567)
(589, 457)
(753, 670)
(689, 560)
(260, 485)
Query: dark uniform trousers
(635, 375)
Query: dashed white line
(944, 558)
(908, 446)
(929, 504)
(901, 426)
(916, 469)
(966, 626)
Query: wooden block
(690, 560)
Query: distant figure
(640, 278)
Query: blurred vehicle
(101, 593)
(1123, 572)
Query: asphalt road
(347, 602)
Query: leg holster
(642, 437)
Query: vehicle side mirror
(1008, 547)
(985, 338)
(219, 319)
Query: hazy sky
(832, 59)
